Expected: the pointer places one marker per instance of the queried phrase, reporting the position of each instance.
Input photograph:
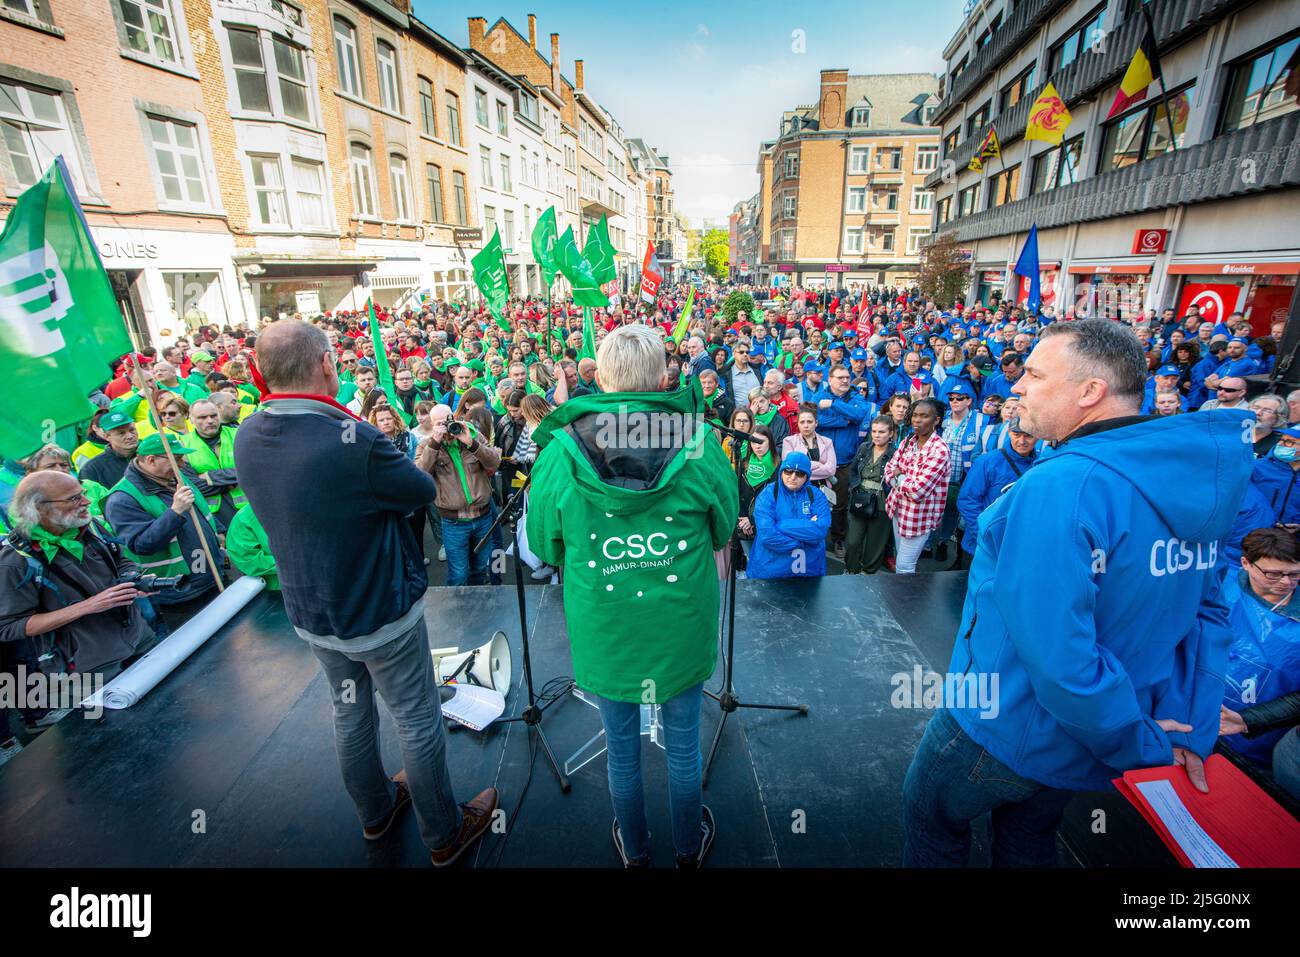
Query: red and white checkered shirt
(917, 502)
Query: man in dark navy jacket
(333, 493)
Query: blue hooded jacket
(1095, 597)
(1280, 485)
(1263, 662)
(790, 528)
(990, 477)
(842, 422)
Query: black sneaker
(707, 831)
(622, 852)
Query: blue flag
(1027, 265)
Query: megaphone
(487, 665)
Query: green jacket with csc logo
(631, 495)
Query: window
(150, 29)
(428, 114)
(928, 114)
(268, 184)
(887, 198)
(967, 200)
(922, 200)
(791, 206)
(386, 64)
(890, 158)
(287, 11)
(453, 119)
(887, 240)
(570, 159)
(853, 241)
(1016, 90)
(1059, 166)
(180, 167)
(791, 165)
(458, 193)
(433, 185)
(503, 127)
(1144, 133)
(1004, 187)
(861, 116)
(508, 229)
(914, 236)
(363, 180)
(860, 159)
(489, 221)
(979, 119)
(485, 159)
(528, 107)
(401, 186)
(292, 79)
(480, 108)
(309, 182)
(857, 199)
(787, 244)
(1067, 49)
(927, 159)
(250, 71)
(1257, 90)
(345, 51)
(506, 183)
(950, 141)
(945, 209)
(21, 6)
(960, 68)
(36, 130)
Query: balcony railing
(1258, 158)
(1174, 20)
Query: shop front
(281, 288)
(1262, 291)
(990, 285)
(1049, 274)
(169, 283)
(1109, 290)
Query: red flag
(651, 274)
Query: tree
(715, 253)
(736, 302)
(943, 275)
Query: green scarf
(760, 468)
(453, 451)
(766, 417)
(423, 384)
(69, 541)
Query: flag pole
(176, 471)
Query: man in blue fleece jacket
(1095, 600)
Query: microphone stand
(726, 695)
(532, 714)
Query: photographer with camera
(64, 605)
(462, 463)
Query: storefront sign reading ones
(109, 249)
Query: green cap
(114, 419)
(476, 365)
(198, 355)
(153, 445)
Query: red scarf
(325, 399)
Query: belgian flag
(1143, 70)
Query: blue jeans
(464, 565)
(951, 782)
(681, 718)
(401, 671)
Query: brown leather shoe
(476, 816)
(402, 799)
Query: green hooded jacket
(634, 522)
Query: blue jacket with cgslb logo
(1095, 596)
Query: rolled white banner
(141, 678)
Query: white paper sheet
(1199, 847)
(143, 676)
(473, 706)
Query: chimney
(555, 62)
(832, 103)
(577, 74)
(477, 28)
(532, 31)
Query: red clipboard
(1250, 827)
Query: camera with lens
(456, 428)
(149, 582)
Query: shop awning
(1235, 269)
(380, 281)
(1102, 269)
(298, 262)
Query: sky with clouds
(705, 82)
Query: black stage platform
(242, 733)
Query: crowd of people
(863, 429)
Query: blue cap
(961, 387)
(859, 353)
(797, 462)
(850, 333)
(924, 376)
(1169, 370)
(1239, 339)
(814, 367)
(835, 345)
(1292, 432)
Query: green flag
(576, 269)
(599, 251)
(684, 323)
(384, 369)
(491, 279)
(544, 240)
(60, 326)
(588, 350)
